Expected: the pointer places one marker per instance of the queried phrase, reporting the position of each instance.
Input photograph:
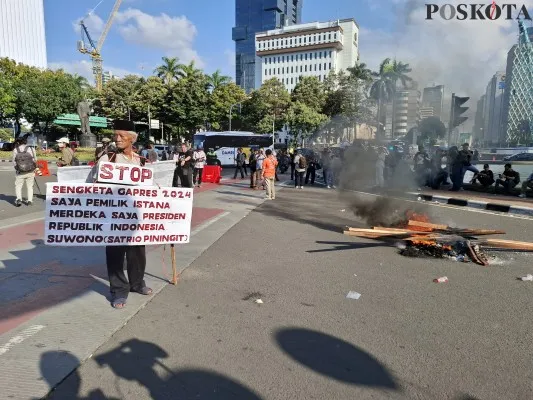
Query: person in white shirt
(199, 158)
(25, 163)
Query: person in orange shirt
(269, 174)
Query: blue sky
(461, 55)
(141, 35)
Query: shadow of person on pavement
(334, 358)
(137, 361)
(338, 246)
(55, 365)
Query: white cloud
(462, 55)
(230, 57)
(84, 68)
(94, 24)
(173, 35)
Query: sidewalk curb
(504, 208)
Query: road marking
(209, 223)
(22, 223)
(25, 334)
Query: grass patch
(83, 154)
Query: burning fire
(413, 216)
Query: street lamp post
(230, 110)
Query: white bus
(226, 144)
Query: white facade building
(22, 34)
(312, 49)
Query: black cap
(123, 125)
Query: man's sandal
(119, 303)
(146, 291)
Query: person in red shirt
(269, 174)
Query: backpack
(24, 161)
(302, 163)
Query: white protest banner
(163, 173)
(125, 174)
(79, 214)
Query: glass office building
(519, 82)
(252, 16)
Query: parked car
(7, 147)
(519, 157)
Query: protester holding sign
(125, 136)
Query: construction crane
(87, 46)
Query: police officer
(135, 256)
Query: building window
(278, 70)
(283, 70)
(279, 59)
(320, 55)
(305, 56)
(282, 58)
(329, 65)
(286, 42)
(324, 66)
(319, 67)
(300, 40)
(292, 70)
(305, 39)
(335, 36)
(290, 42)
(292, 58)
(292, 81)
(330, 53)
(301, 68)
(270, 71)
(315, 67)
(329, 36)
(306, 68)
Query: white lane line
(25, 334)
(209, 223)
(20, 223)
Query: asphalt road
(404, 338)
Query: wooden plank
(396, 230)
(507, 244)
(427, 225)
(478, 232)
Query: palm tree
(382, 89)
(189, 71)
(169, 70)
(361, 72)
(397, 73)
(217, 79)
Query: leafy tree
(187, 102)
(303, 121)
(6, 134)
(7, 97)
(267, 104)
(220, 101)
(431, 128)
(169, 71)
(117, 98)
(49, 94)
(309, 91)
(217, 79)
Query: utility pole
(149, 123)
(452, 118)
